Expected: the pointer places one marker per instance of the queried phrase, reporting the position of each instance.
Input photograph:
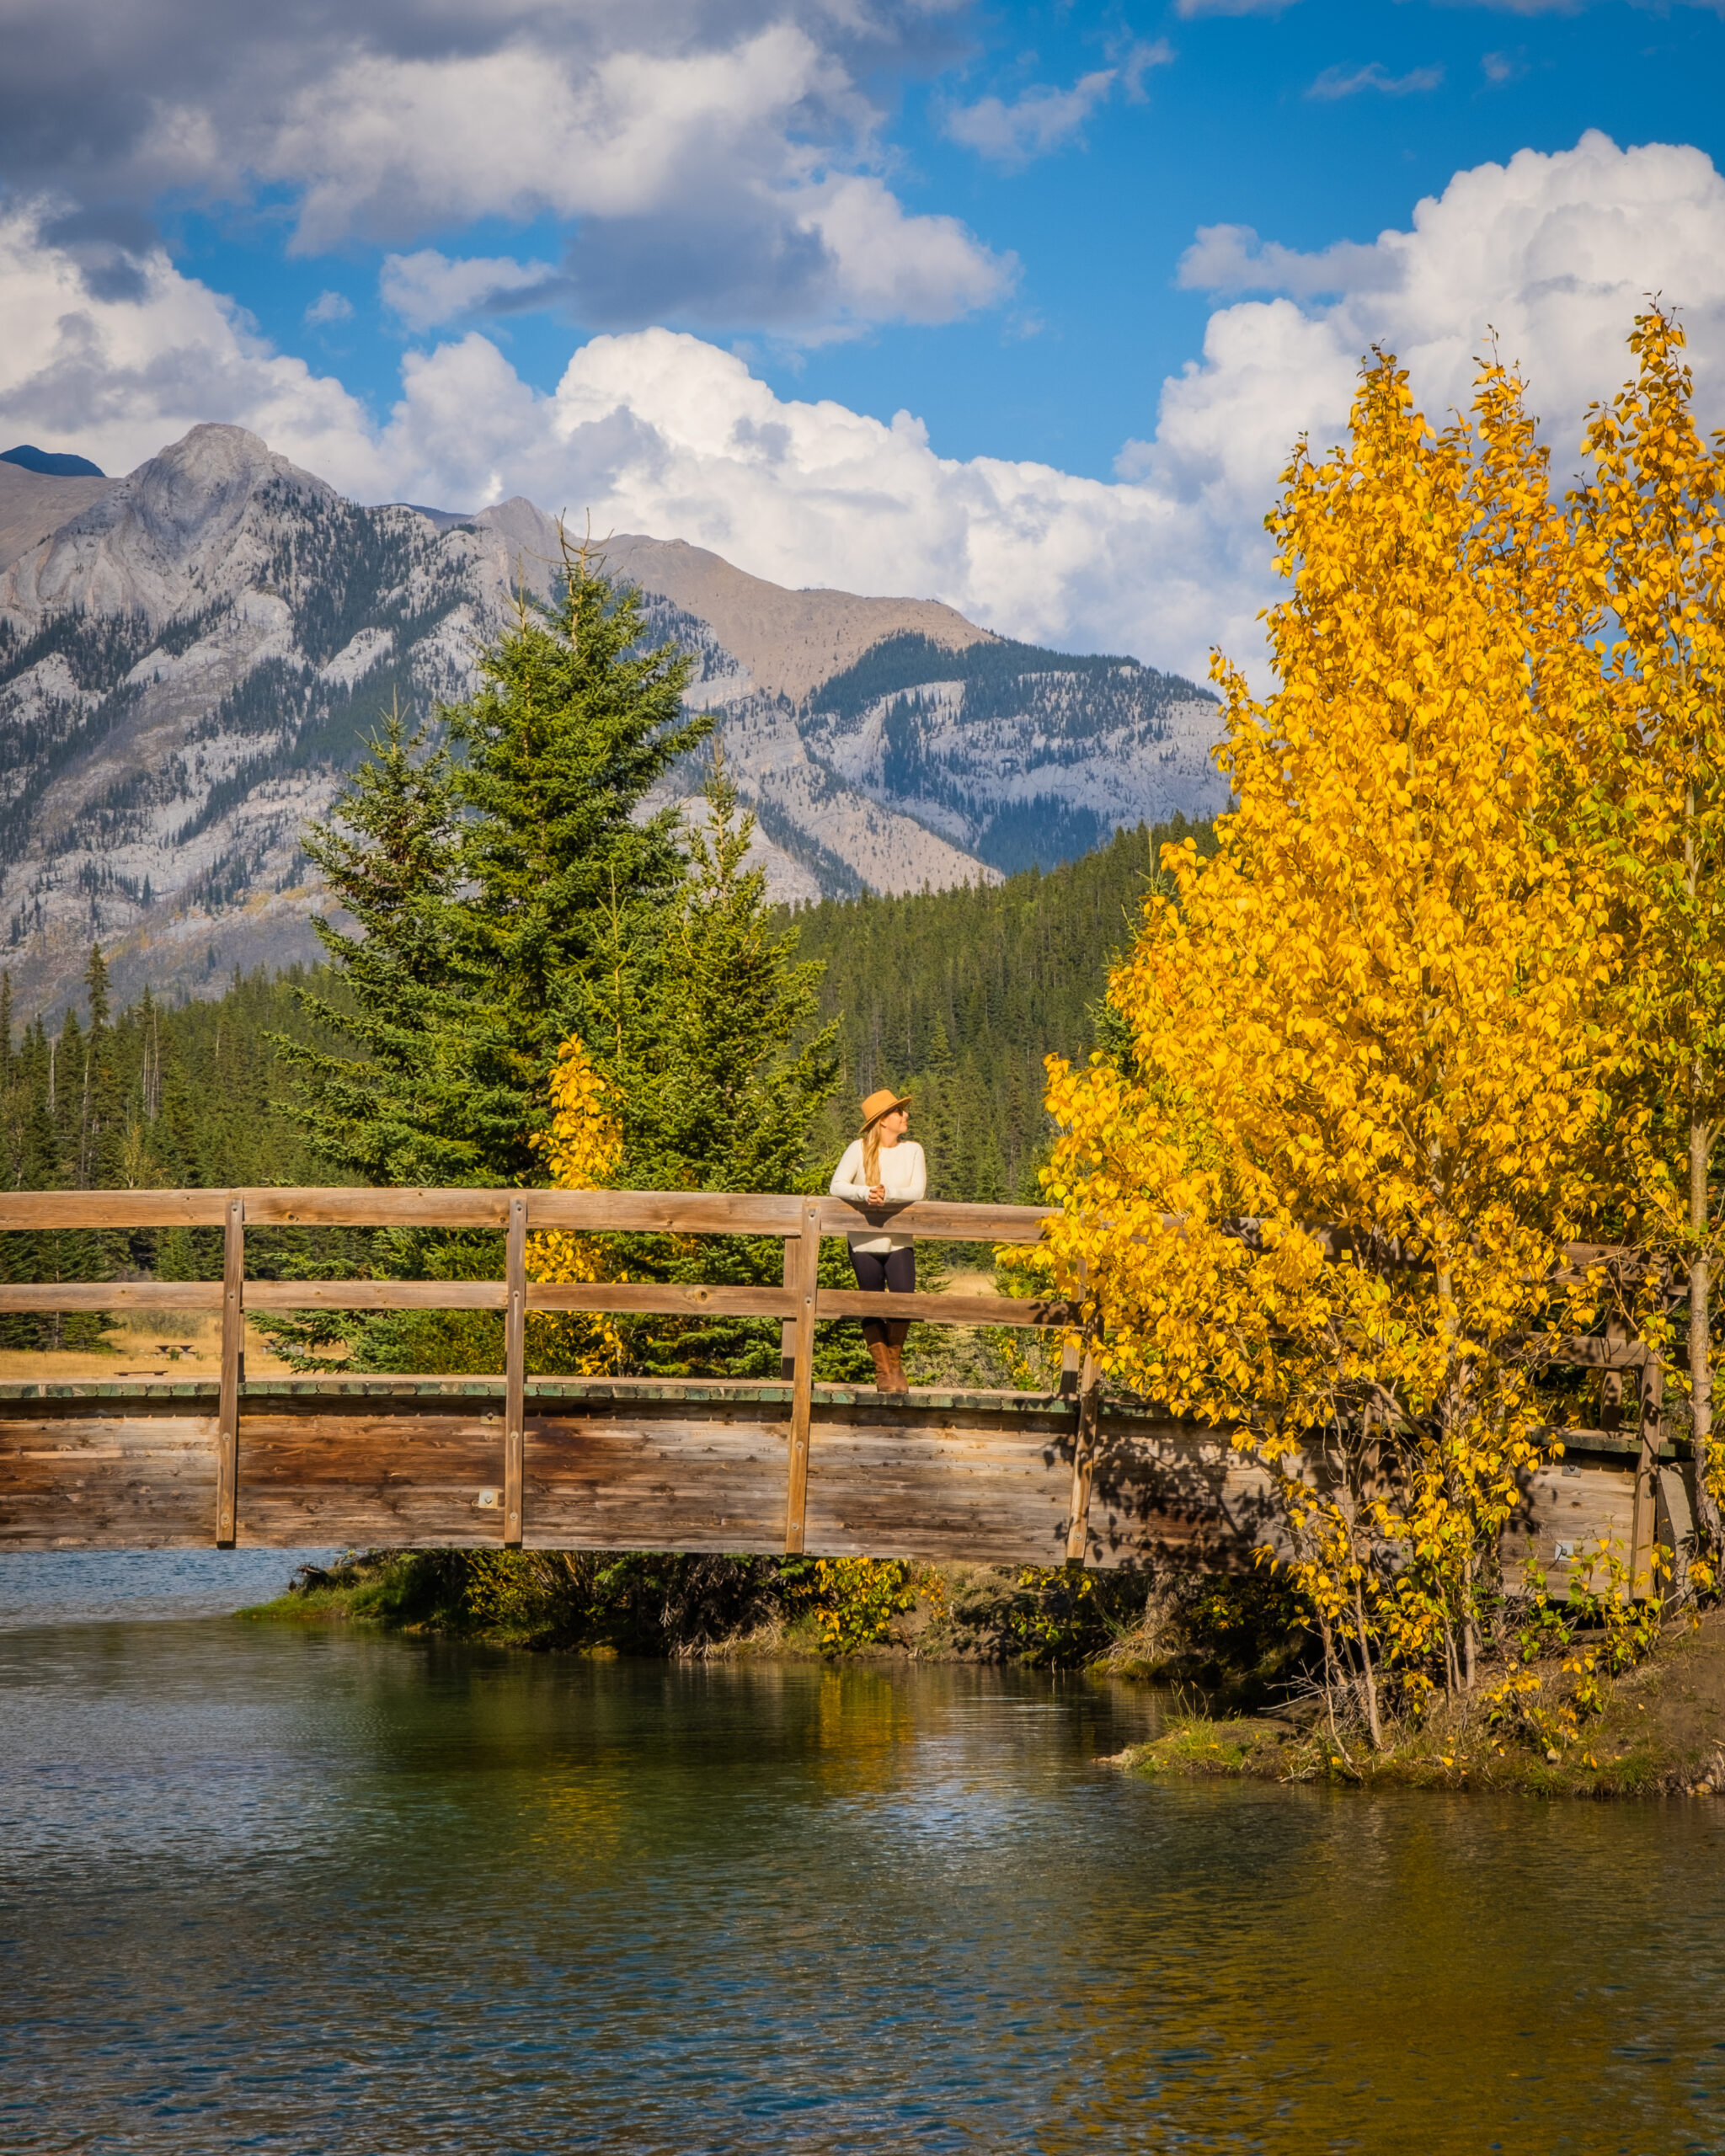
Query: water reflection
(303, 1892)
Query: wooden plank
(375, 1295)
(891, 1477)
(1178, 1490)
(667, 1296)
(1569, 1510)
(945, 1310)
(115, 1295)
(106, 1475)
(391, 1474)
(113, 1208)
(316, 1208)
(787, 1330)
(1587, 1351)
(658, 1474)
(806, 1290)
(1610, 1395)
(936, 1218)
(516, 1373)
(233, 1333)
(665, 1212)
(986, 1485)
(1674, 1525)
(1084, 1455)
(1644, 1514)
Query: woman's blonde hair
(875, 1111)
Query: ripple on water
(304, 1892)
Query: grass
(1660, 1731)
(144, 1344)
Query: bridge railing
(799, 1302)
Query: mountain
(191, 656)
(54, 463)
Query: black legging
(878, 1270)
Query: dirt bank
(1659, 1732)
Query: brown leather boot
(879, 1352)
(894, 1380)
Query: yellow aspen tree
(1321, 1199)
(581, 1149)
(1652, 523)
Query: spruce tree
(391, 859)
(493, 879)
(486, 879)
(706, 1049)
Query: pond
(286, 1890)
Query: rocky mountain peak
(181, 529)
(192, 657)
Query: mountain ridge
(192, 654)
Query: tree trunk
(1371, 1689)
(1701, 1368)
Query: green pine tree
(391, 860)
(487, 880)
(507, 886)
(707, 1046)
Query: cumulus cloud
(1042, 118)
(1232, 259)
(664, 433)
(329, 306)
(121, 370)
(727, 149)
(1348, 81)
(425, 289)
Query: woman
(884, 1167)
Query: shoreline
(1659, 1732)
(1658, 1729)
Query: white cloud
(1036, 122)
(1348, 81)
(666, 434)
(329, 306)
(1232, 259)
(720, 162)
(123, 368)
(427, 288)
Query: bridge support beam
(514, 1364)
(805, 1286)
(233, 1334)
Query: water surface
(275, 1890)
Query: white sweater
(905, 1174)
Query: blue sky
(681, 262)
(1319, 123)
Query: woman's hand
(877, 1193)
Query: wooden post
(1084, 1452)
(805, 1286)
(233, 1284)
(1643, 1516)
(515, 1365)
(1611, 1381)
(787, 1330)
(1071, 1357)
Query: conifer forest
(498, 896)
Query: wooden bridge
(515, 1461)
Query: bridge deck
(985, 1478)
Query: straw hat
(882, 1103)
